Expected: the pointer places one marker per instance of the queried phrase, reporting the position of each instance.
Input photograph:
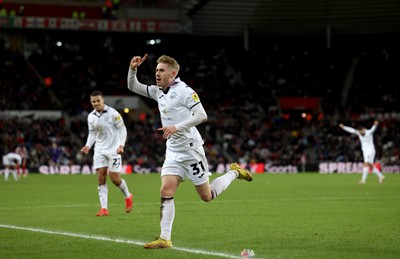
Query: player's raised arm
(136, 61)
(348, 129)
(133, 83)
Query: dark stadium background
(276, 77)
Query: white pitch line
(116, 240)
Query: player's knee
(165, 192)
(116, 178)
(206, 197)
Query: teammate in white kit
(108, 131)
(181, 110)
(368, 149)
(12, 162)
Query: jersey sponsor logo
(99, 129)
(173, 95)
(195, 97)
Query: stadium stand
(239, 88)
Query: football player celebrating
(180, 110)
(368, 150)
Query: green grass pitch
(277, 216)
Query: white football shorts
(191, 164)
(369, 156)
(112, 161)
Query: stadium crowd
(239, 89)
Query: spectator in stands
(107, 9)
(115, 4)
(79, 69)
(3, 13)
(75, 15)
(21, 10)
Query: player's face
(97, 102)
(164, 75)
(362, 131)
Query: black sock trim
(213, 194)
(166, 198)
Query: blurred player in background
(108, 131)
(12, 162)
(23, 152)
(181, 111)
(368, 150)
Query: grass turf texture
(277, 216)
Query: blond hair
(169, 61)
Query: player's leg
(169, 185)
(123, 186)
(6, 164)
(364, 173)
(378, 173)
(198, 174)
(100, 163)
(6, 173)
(369, 156)
(196, 169)
(24, 172)
(370, 159)
(221, 183)
(208, 192)
(115, 168)
(14, 172)
(16, 168)
(102, 190)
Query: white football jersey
(10, 158)
(174, 106)
(367, 141)
(106, 125)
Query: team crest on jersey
(195, 97)
(173, 95)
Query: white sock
(167, 214)
(6, 174)
(221, 183)
(365, 173)
(377, 172)
(14, 173)
(103, 196)
(124, 188)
